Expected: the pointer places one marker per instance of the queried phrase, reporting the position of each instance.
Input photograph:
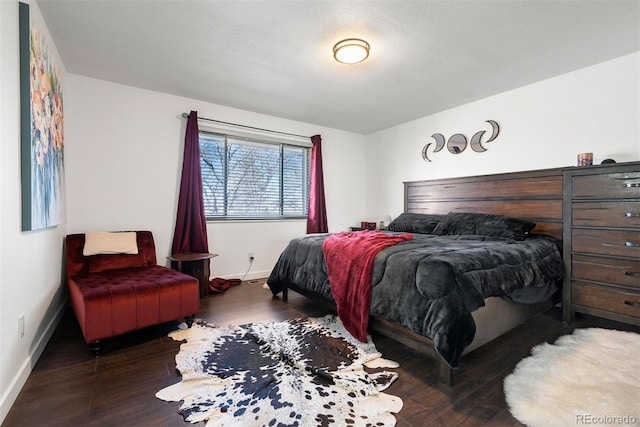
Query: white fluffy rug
(591, 377)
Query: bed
(484, 255)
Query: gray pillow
(415, 223)
(458, 223)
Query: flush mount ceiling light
(351, 51)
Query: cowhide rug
(299, 372)
(591, 377)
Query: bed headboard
(532, 195)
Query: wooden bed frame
(532, 195)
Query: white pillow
(102, 242)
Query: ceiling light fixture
(351, 51)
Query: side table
(196, 265)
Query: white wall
(124, 157)
(30, 262)
(543, 125)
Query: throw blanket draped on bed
(350, 257)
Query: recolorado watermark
(589, 419)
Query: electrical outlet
(21, 326)
(252, 256)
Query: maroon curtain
(190, 234)
(317, 217)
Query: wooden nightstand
(601, 242)
(196, 265)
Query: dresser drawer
(606, 242)
(608, 214)
(625, 185)
(604, 298)
(609, 270)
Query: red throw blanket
(349, 257)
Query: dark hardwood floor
(69, 387)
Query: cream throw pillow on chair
(102, 242)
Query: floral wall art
(41, 127)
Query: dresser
(601, 242)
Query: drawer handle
(632, 303)
(625, 244)
(632, 215)
(631, 185)
(631, 273)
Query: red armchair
(116, 293)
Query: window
(244, 178)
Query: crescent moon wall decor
(476, 145)
(457, 143)
(439, 141)
(425, 157)
(496, 130)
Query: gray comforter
(431, 284)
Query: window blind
(245, 178)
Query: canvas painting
(41, 127)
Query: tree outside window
(252, 179)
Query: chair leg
(189, 320)
(95, 348)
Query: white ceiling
(275, 57)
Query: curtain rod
(185, 115)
